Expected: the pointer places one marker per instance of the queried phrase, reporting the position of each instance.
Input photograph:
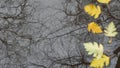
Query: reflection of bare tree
(31, 36)
(13, 19)
(66, 48)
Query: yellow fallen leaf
(92, 10)
(111, 30)
(100, 63)
(94, 27)
(104, 1)
(94, 48)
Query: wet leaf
(104, 1)
(111, 30)
(100, 63)
(94, 27)
(94, 48)
(92, 10)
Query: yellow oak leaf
(94, 48)
(104, 1)
(94, 28)
(92, 10)
(100, 63)
(111, 30)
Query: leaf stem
(110, 40)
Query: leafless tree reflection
(33, 35)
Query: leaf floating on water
(94, 48)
